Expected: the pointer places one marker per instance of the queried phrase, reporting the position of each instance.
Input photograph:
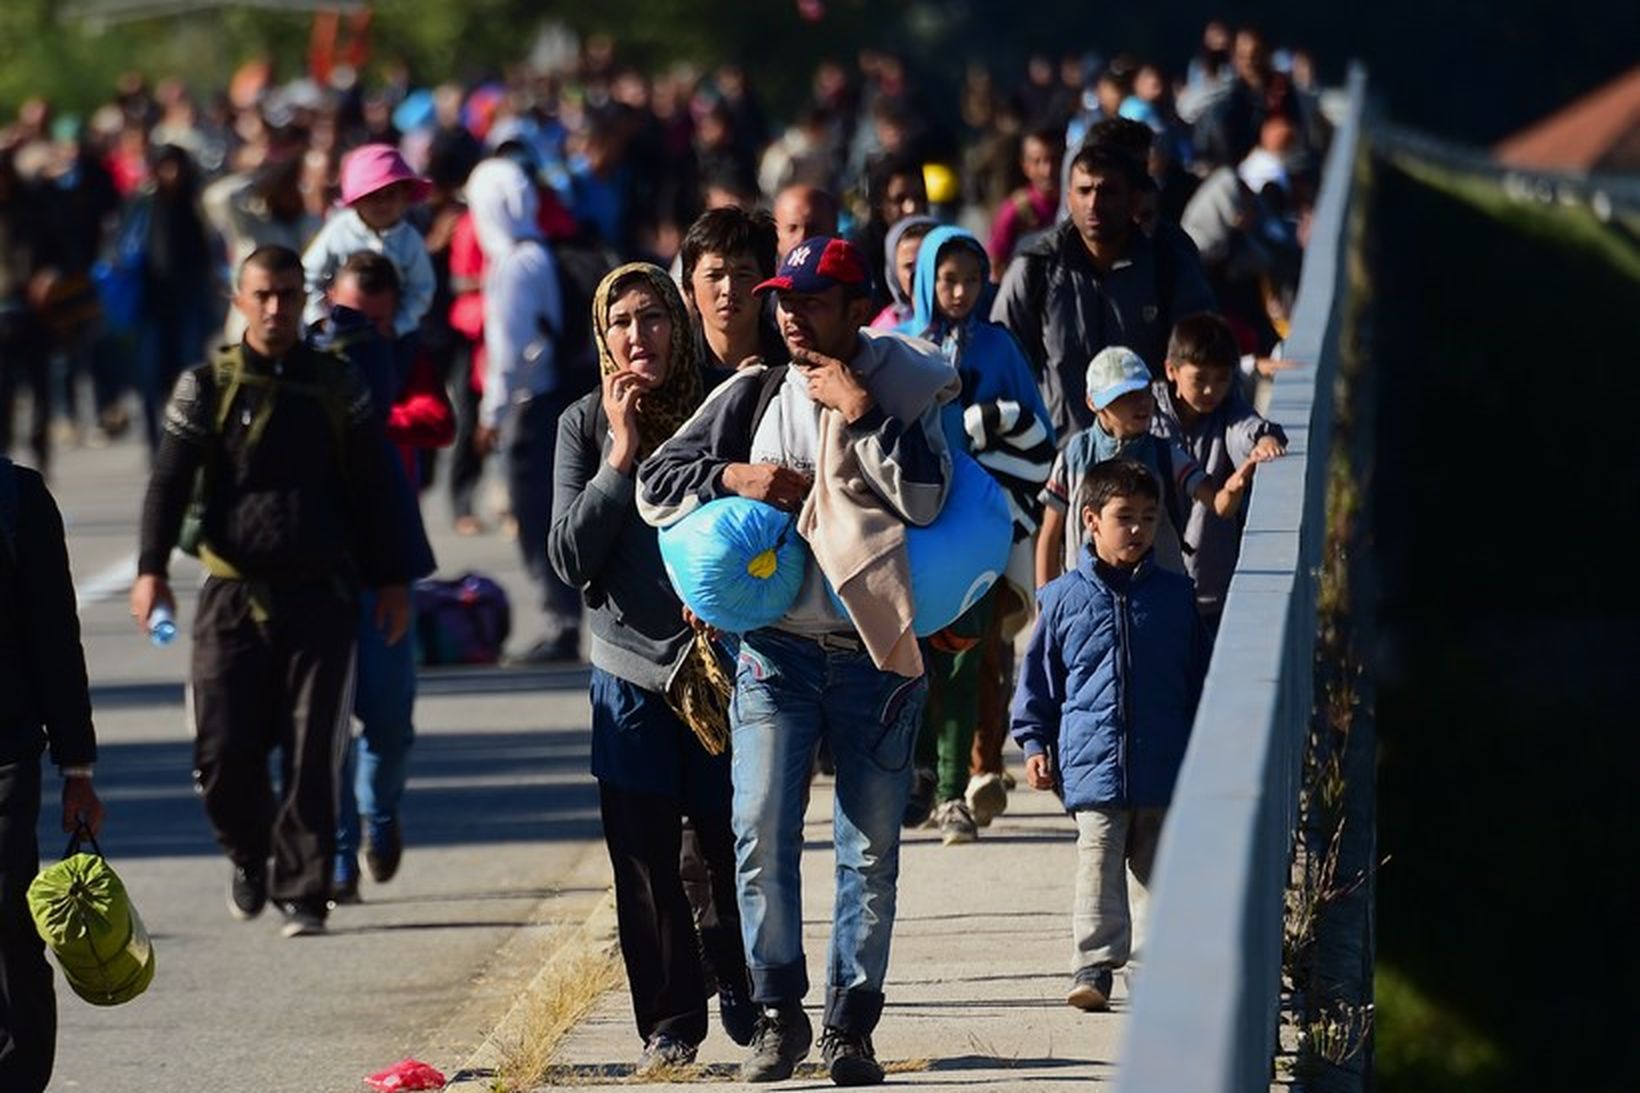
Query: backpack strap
(232, 377)
(1170, 492)
(773, 376)
(1036, 292)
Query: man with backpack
(44, 700)
(273, 465)
(1095, 281)
(525, 382)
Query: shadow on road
(487, 680)
(465, 788)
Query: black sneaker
(920, 805)
(956, 823)
(780, 1041)
(849, 1057)
(663, 1052)
(344, 881)
(247, 893)
(738, 1015)
(383, 849)
(1090, 990)
(303, 918)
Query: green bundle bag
(81, 909)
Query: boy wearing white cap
(1119, 393)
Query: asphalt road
(501, 827)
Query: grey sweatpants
(1107, 920)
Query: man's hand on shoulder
(833, 384)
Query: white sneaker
(987, 798)
(956, 823)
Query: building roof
(1597, 134)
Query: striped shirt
(1176, 470)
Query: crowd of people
(641, 298)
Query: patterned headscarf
(699, 689)
(663, 411)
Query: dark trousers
(87, 352)
(285, 683)
(643, 832)
(996, 689)
(28, 1009)
(25, 362)
(466, 464)
(708, 875)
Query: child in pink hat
(378, 188)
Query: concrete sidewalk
(977, 980)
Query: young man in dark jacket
(811, 676)
(1095, 281)
(298, 517)
(44, 700)
(1105, 702)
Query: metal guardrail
(1601, 192)
(1206, 1006)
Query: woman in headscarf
(659, 695)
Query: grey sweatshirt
(598, 544)
(1220, 442)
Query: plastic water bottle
(162, 626)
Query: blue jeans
(790, 693)
(377, 764)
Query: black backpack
(582, 262)
(228, 371)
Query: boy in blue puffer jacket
(1106, 698)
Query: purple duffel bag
(461, 621)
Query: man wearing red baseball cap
(854, 420)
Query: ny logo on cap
(798, 257)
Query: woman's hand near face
(621, 392)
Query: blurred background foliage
(1466, 68)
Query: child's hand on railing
(1268, 447)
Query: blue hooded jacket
(385, 368)
(985, 355)
(1110, 683)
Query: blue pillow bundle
(958, 558)
(736, 563)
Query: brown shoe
(1091, 991)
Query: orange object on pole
(327, 27)
(358, 46)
